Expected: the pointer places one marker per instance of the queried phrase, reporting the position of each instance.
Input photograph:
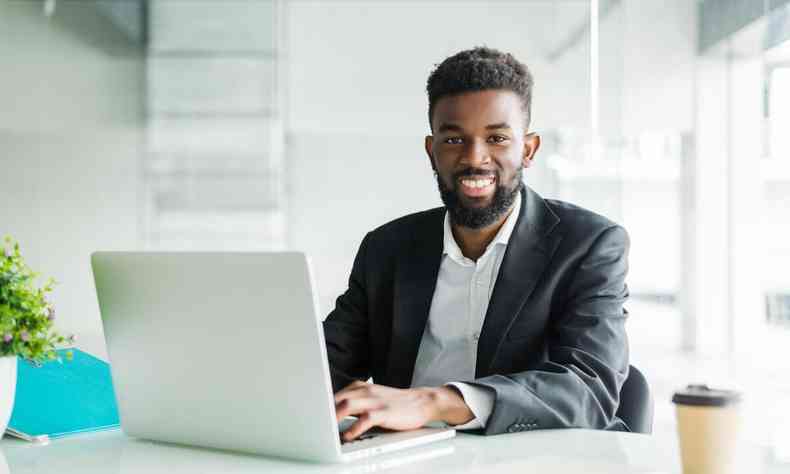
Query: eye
(497, 138)
(453, 140)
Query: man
(500, 311)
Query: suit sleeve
(578, 385)
(346, 328)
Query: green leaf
(24, 308)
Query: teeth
(477, 183)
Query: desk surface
(556, 451)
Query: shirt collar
(502, 237)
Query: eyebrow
(497, 126)
(451, 127)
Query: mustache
(475, 172)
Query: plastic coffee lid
(702, 395)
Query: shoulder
(409, 222)
(583, 225)
(397, 233)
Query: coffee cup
(708, 427)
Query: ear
(429, 150)
(531, 145)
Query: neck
(473, 242)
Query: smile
(477, 183)
(477, 186)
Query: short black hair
(479, 69)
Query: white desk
(549, 451)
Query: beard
(479, 217)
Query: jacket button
(512, 428)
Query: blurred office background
(295, 124)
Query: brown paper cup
(708, 427)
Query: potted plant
(26, 323)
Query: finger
(351, 387)
(356, 406)
(365, 422)
(357, 384)
(351, 394)
(353, 391)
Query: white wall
(362, 66)
(658, 65)
(69, 133)
(657, 62)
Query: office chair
(636, 403)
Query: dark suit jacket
(553, 347)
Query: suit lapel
(529, 250)
(415, 283)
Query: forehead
(472, 110)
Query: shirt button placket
(472, 300)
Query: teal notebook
(63, 398)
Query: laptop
(226, 350)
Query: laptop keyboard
(363, 437)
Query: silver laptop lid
(221, 350)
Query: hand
(398, 409)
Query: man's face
(479, 149)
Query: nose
(475, 154)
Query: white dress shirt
(448, 350)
